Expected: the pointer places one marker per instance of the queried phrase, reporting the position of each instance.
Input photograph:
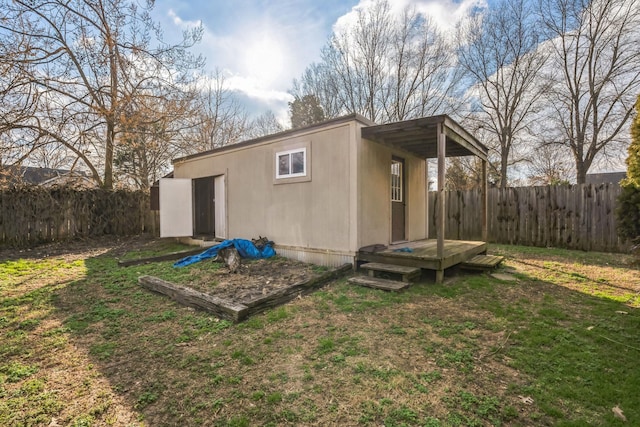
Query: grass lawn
(81, 344)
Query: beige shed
(324, 192)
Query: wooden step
(378, 283)
(482, 262)
(407, 273)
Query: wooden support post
(426, 198)
(485, 198)
(440, 215)
(439, 276)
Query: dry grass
(82, 344)
(612, 276)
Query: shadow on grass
(140, 342)
(578, 349)
(172, 364)
(463, 353)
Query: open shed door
(203, 207)
(220, 207)
(176, 207)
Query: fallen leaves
(526, 400)
(618, 413)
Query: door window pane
(396, 181)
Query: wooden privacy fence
(572, 216)
(33, 215)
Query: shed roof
(417, 136)
(420, 137)
(284, 134)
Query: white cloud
(254, 88)
(445, 13)
(179, 22)
(260, 58)
(263, 50)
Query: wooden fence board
(573, 217)
(32, 215)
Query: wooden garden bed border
(231, 310)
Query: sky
(262, 45)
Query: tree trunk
(108, 157)
(503, 168)
(231, 258)
(112, 115)
(581, 173)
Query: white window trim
(302, 150)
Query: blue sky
(262, 45)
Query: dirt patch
(254, 278)
(504, 277)
(79, 248)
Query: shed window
(292, 163)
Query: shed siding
(374, 217)
(345, 205)
(416, 198)
(375, 194)
(312, 213)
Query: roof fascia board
(276, 137)
(472, 148)
(454, 127)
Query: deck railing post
(426, 198)
(440, 231)
(485, 198)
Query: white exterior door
(220, 210)
(176, 207)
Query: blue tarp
(403, 250)
(245, 248)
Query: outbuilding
(324, 192)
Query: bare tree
(356, 57)
(385, 67)
(17, 104)
(596, 73)
(550, 166)
(499, 51)
(423, 77)
(86, 63)
(48, 156)
(265, 124)
(463, 173)
(153, 132)
(317, 81)
(221, 119)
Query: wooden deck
(424, 254)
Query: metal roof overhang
(420, 137)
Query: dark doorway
(204, 207)
(397, 200)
